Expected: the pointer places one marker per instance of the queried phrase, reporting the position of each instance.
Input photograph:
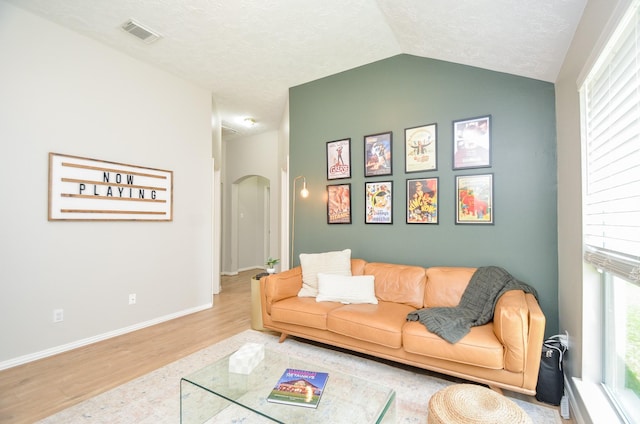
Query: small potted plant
(271, 263)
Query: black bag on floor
(550, 387)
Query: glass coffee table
(213, 394)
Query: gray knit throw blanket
(476, 306)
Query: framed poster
(379, 202)
(420, 148)
(339, 159)
(474, 194)
(472, 143)
(422, 201)
(339, 204)
(377, 154)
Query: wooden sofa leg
(498, 390)
(283, 336)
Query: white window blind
(611, 131)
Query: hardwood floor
(41, 388)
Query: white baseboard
(90, 340)
(258, 268)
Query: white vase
(271, 270)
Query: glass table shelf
(213, 394)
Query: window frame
(612, 263)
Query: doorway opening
(250, 222)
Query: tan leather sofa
(503, 354)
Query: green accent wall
(406, 91)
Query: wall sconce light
(304, 193)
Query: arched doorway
(250, 222)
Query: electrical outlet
(58, 315)
(132, 299)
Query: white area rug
(155, 397)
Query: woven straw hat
(472, 404)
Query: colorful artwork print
(420, 148)
(377, 148)
(422, 201)
(339, 159)
(379, 202)
(475, 199)
(339, 204)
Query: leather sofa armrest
(280, 286)
(518, 322)
(537, 323)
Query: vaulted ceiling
(248, 53)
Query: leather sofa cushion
(445, 285)
(303, 311)
(357, 266)
(398, 283)
(381, 324)
(480, 347)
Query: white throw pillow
(338, 288)
(338, 263)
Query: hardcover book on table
(299, 387)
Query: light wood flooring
(41, 388)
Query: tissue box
(245, 359)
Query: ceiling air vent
(140, 31)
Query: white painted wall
(578, 290)
(283, 168)
(62, 92)
(216, 198)
(244, 157)
(250, 214)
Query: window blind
(611, 132)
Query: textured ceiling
(249, 52)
